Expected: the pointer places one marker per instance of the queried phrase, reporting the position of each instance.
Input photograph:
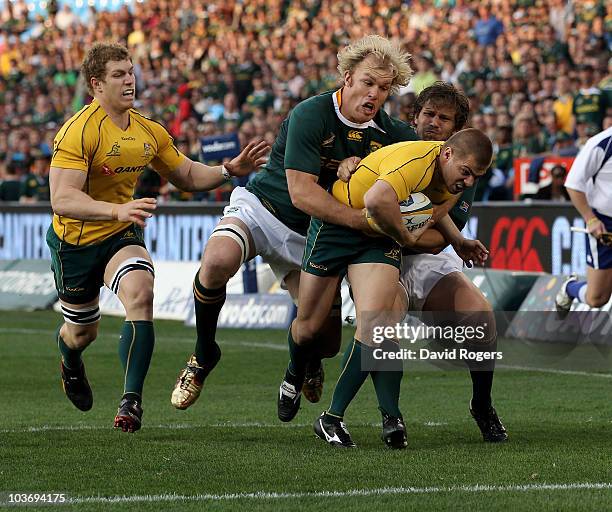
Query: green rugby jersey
(590, 107)
(314, 139)
(460, 213)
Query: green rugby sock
(388, 380)
(208, 303)
(135, 350)
(71, 357)
(482, 382)
(351, 378)
(300, 355)
(387, 386)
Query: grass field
(229, 452)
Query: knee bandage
(128, 266)
(85, 316)
(237, 234)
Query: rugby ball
(415, 211)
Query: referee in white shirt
(589, 185)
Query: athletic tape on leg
(128, 266)
(85, 316)
(237, 234)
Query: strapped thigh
(85, 316)
(237, 234)
(129, 265)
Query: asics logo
(329, 438)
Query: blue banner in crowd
(218, 147)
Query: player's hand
(412, 237)
(595, 227)
(471, 251)
(136, 211)
(347, 167)
(249, 159)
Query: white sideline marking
(552, 370)
(342, 494)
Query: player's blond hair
(390, 55)
(94, 64)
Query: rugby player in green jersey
(271, 215)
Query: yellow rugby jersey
(113, 159)
(407, 166)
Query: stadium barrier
(253, 311)
(26, 285)
(533, 237)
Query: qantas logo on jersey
(138, 168)
(355, 135)
(114, 150)
(107, 171)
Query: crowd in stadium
(537, 72)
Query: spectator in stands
(487, 28)
(555, 191)
(564, 103)
(589, 103)
(10, 185)
(35, 184)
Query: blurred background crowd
(538, 73)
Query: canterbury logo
(315, 265)
(355, 135)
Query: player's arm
(579, 200)
(432, 242)
(588, 160)
(468, 250)
(314, 200)
(381, 201)
(191, 176)
(69, 200)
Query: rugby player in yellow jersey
(391, 174)
(96, 236)
(432, 280)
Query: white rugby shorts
(421, 272)
(278, 245)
